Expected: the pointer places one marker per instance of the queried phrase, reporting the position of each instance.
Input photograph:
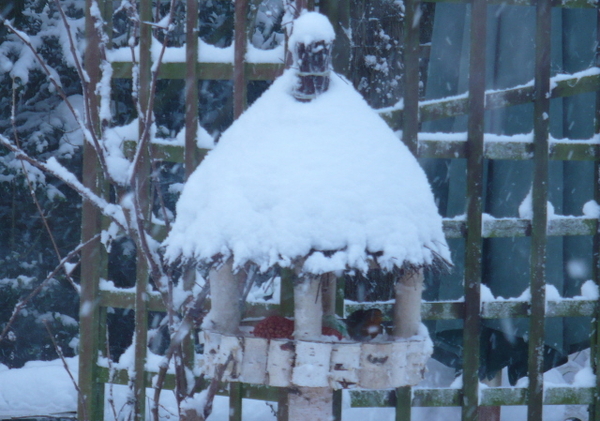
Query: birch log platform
(339, 365)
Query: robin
(364, 325)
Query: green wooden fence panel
(475, 226)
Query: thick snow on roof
(311, 27)
(291, 178)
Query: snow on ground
(44, 388)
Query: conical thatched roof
(326, 180)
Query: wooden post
(541, 111)
(93, 255)
(309, 403)
(410, 123)
(594, 408)
(407, 309)
(191, 87)
(240, 88)
(141, 186)
(314, 403)
(329, 291)
(225, 294)
(314, 65)
(308, 309)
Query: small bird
(364, 325)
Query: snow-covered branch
(53, 167)
(54, 79)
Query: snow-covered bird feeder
(312, 179)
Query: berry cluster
(274, 327)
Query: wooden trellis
(474, 228)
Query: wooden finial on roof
(311, 44)
(314, 66)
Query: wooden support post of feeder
(314, 403)
(329, 291)
(312, 61)
(225, 294)
(407, 308)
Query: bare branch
(85, 81)
(193, 310)
(89, 135)
(145, 135)
(37, 290)
(214, 386)
(32, 191)
(58, 350)
(111, 397)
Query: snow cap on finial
(311, 27)
(311, 41)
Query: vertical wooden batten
(93, 256)
(410, 123)
(473, 244)
(141, 184)
(240, 83)
(541, 115)
(595, 328)
(191, 87)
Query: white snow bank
(288, 178)
(40, 387)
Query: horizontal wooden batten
(516, 227)
(513, 150)
(500, 396)
(163, 151)
(434, 397)
(249, 391)
(205, 71)
(578, 4)
(451, 310)
(565, 85)
(431, 148)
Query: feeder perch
(312, 179)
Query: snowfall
(311, 165)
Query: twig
(193, 310)
(214, 386)
(86, 91)
(57, 86)
(80, 395)
(36, 291)
(31, 189)
(111, 396)
(145, 135)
